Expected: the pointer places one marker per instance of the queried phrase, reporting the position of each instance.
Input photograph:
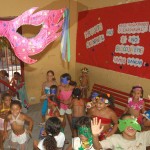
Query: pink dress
(65, 95)
(136, 105)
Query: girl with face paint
(65, 96)
(130, 139)
(102, 110)
(53, 103)
(136, 104)
(92, 102)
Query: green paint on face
(123, 124)
(85, 131)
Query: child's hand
(95, 127)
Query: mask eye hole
(29, 31)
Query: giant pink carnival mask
(25, 47)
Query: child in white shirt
(130, 139)
(52, 128)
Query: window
(8, 60)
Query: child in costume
(18, 83)
(92, 102)
(84, 141)
(53, 108)
(3, 76)
(46, 92)
(53, 103)
(19, 135)
(78, 108)
(65, 96)
(146, 120)
(103, 112)
(52, 128)
(136, 103)
(4, 111)
(84, 82)
(130, 139)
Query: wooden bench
(120, 98)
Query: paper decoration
(65, 42)
(25, 47)
(121, 44)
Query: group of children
(18, 86)
(94, 124)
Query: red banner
(116, 38)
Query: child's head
(84, 70)
(50, 143)
(53, 126)
(103, 101)
(15, 107)
(137, 92)
(76, 93)
(84, 128)
(50, 75)
(6, 99)
(128, 125)
(4, 73)
(93, 96)
(73, 83)
(17, 75)
(53, 101)
(65, 79)
(53, 90)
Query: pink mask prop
(25, 47)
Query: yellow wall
(50, 58)
(110, 78)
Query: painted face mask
(64, 80)
(147, 115)
(85, 131)
(94, 94)
(106, 101)
(53, 91)
(25, 47)
(123, 124)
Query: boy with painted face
(84, 141)
(130, 139)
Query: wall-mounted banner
(116, 38)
